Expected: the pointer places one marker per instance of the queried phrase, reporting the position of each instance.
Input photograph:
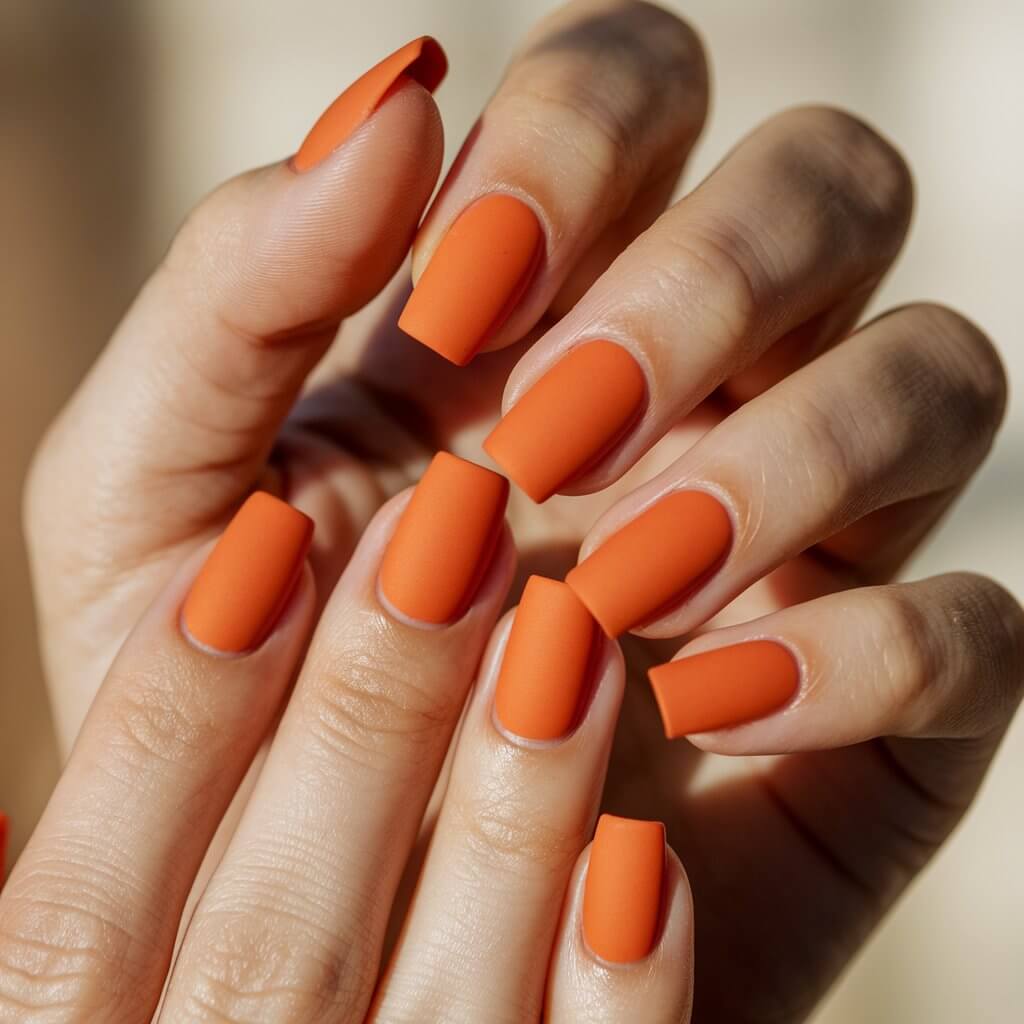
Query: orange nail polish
(422, 60)
(479, 271)
(546, 662)
(569, 418)
(444, 541)
(622, 894)
(245, 583)
(653, 561)
(724, 687)
(4, 830)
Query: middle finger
(805, 213)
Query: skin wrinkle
(648, 48)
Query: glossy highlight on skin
(248, 577)
(724, 687)
(568, 418)
(545, 667)
(479, 271)
(653, 560)
(622, 895)
(444, 540)
(422, 60)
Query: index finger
(581, 145)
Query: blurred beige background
(118, 117)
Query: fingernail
(546, 663)
(422, 60)
(245, 584)
(622, 894)
(569, 419)
(724, 687)
(444, 541)
(654, 561)
(479, 271)
(4, 829)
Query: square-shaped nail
(569, 418)
(724, 687)
(246, 581)
(546, 665)
(479, 271)
(653, 561)
(622, 894)
(444, 540)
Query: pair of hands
(834, 450)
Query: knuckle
(651, 95)
(162, 717)
(254, 962)
(374, 707)
(568, 116)
(64, 953)
(864, 176)
(973, 375)
(939, 391)
(953, 654)
(711, 269)
(832, 462)
(912, 654)
(504, 831)
(985, 623)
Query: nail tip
(410, 325)
(445, 540)
(248, 577)
(423, 60)
(542, 684)
(478, 273)
(496, 450)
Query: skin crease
(776, 920)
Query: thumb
(173, 424)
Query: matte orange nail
(245, 583)
(4, 829)
(622, 894)
(422, 60)
(569, 419)
(444, 541)
(546, 662)
(724, 687)
(479, 271)
(653, 561)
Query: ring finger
(890, 424)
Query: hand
(292, 924)
(832, 454)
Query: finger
(246, 300)
(804, 212)
(906, 409)
(943, 658)
(594, 976)
(560, 156)
(518, 809)
(89, 916)
(292, 923)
